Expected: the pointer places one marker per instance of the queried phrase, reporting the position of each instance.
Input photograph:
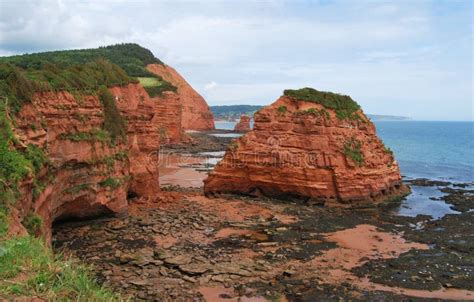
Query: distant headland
(233, 113)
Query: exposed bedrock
(317, 146)
(196, 114)
(88, 175)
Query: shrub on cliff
(16, 163)
(16, 88)
(113, 120)
(14, 166)
(344, 106)
(352, 149)
(87, 77)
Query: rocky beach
(187, 247)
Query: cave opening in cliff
(86, 216)
(131, 195)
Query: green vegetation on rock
(28, 268)
(32, 223)
(387, 150)
(132, 58)
(77, 188)
(344, 106)
(95, 135)
(77, 71)
(352, 149)
(314, 112)
(18, 85)
(111, 182)
(281, 109)
(155, 86)
(3, 220)
(17, 162)
(113, 120)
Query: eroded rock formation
(243, 125)
(81, 130)
(311, 145)
(88, 175)
(196, 114)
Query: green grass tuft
(111, 182)
(3, 220)
(28, 268)
(95, 135)
(281, 109)
(314, 112)
(78, 188)
(32, 222)
(352, 149)
(155, 86)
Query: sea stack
(243, 125)
(311, 145)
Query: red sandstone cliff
(87, 175)
(196, 114)
(243, 125)
(301, 149)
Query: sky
(409, 58)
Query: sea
(425, 149)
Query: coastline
(272, 250)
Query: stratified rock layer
(196, 114)
(301, 149)
(243, 125)
(88, 177)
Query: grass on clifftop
(29, 269)
(83, 70)
(344, 106)
(17, 85)
(155, 86)
(132, 58)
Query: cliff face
(196, 114)
(243, 125)
(302, 149)
(87, 174)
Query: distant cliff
(233, 112)
(196, 114)
(379, 117)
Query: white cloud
(210, 86)
(384, 53)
